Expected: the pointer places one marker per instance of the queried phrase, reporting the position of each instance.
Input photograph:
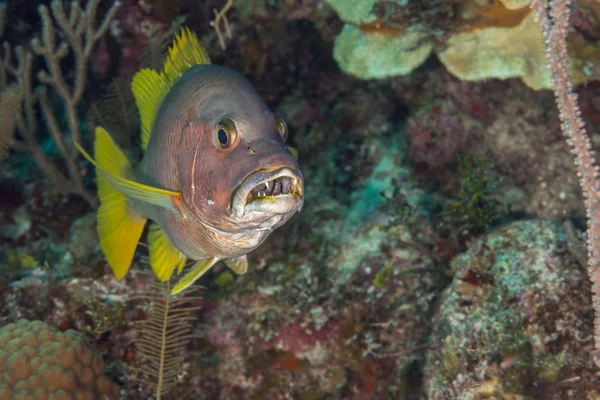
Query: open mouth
(278, 191)
(274, 187)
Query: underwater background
(441, 249)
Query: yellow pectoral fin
(198, 269)
(293, 151)
(239, 265)
(148, 194)
(111, 171)
(164, 256)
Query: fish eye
(223, 137)
(225, 134)
(282, 128)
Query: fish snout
(268, 149)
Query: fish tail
(119, 226)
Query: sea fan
(164, 337)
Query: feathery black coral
(165, 336)
(116, 111)
(155, 52)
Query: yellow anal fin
(111, 164)
(185, 53)
(164, 256)
(239, 265)
(197, 270)
(149, 89)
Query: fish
(216, 177)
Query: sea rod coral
(555, 27)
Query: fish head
(237, 173)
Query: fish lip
(240, 196)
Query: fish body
(216, 177)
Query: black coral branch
(155, 52)
(116, 112)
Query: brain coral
(40, 362)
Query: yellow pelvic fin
(119, 228)
(197, 270)
(164, 256)
(149, 89)
(294, 152)
(239, 265)
(112, 165)
(185, 53)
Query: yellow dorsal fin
(149, 89)
(185, 53)
(197, 270)
(164, 256)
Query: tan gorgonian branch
(9, 107)
(221, 19)
(78, 28)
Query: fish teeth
(267, 185)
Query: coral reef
(440, 250)
(514, 322)
(507, 123)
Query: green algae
(382, 276)
(225, 280)
(476, 208)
